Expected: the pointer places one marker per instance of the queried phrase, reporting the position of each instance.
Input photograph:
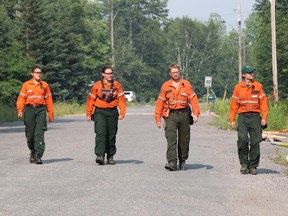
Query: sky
(201, 9)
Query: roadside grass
(221, 117)
(280, 156)
(9, 114)
(62, 109)
(277, 118)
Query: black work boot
(110, 160)
(244, 169)
(182, 165)
(253, 171)
(38, 160)
(32, 157)
(100, 160)
(170, 166)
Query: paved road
(71, 183)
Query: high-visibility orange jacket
(248, 99)
(173, 98)
(94, 98)
(36, 94)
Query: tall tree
(138, 39)
(62, 57)
(31, 23)
(14, 65)
(195, 46)
(96, 41)
(262, 48)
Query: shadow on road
(129, 161)
(266, 171)
(68, 120)
(57, 160)
(13, 130)
(199, 166)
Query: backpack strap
(112, 84)
(111, 91)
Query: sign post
(208, 84)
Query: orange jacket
(94, 98)
(248, 99)
(32, 93)
(176, 98)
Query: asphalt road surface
(71, 183)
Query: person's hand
(158, 124)
(88, 118)
(20, 114)
(120, 117)
(195, 118)
(263, 122)
(233, 125)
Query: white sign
(208, 81)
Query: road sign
(208, 81)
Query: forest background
(72, 39)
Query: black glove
(264, 126)
(191, 120)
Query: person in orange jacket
(248, 101)
(101, 106)
(175, 98)
(34, 99)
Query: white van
(130, 96)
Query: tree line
(72, 39)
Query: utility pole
(112, 17)
(274, 52)
(178, 56)
(243, 50)
(239, 41)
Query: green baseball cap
(247, 69)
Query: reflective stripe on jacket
(173, 98)
(94, 98)
(248, 99)
(39, 94)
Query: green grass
(277, 117)
(8, 114)
(280, 156)
(62, 109)
(222, 120)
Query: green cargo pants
(249, 138)
(177, 124)
(105, 127)
(35, 125)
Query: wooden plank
(274, 136)
(273, 142)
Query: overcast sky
(201, 9)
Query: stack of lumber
(276, 138)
